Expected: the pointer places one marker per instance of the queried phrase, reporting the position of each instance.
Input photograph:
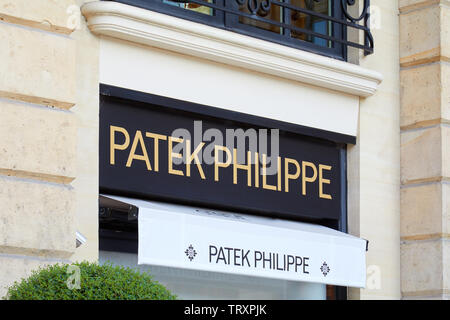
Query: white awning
(212, 240)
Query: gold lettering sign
(288, 171)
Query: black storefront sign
(140, 156)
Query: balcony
(133, 25)
(317, 26)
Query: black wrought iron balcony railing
(319, 26)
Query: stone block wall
(374, 163)
(425, 148)
(49, 134)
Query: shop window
(318, 26)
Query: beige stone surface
(39, 218)
(408, 5)
(37, 67)
(53, 15)
(445, 30)
(420, 40)
(425, 154)
(425, 95)
(374, 166)
(86, 184)
(38, 140)
(445, 80)
(446, 259)
(17, 267)
(87, 112)
(417, 34)
(424, 267)
(446, 152)
(425, 211)
(36, 218)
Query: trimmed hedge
(97, 282)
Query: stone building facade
(424, 119)
(56, 53)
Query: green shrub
(97, 282)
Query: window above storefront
(125, 28)
(318, 26)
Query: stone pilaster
(47, 144)
(373, 164)
(425, 148)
